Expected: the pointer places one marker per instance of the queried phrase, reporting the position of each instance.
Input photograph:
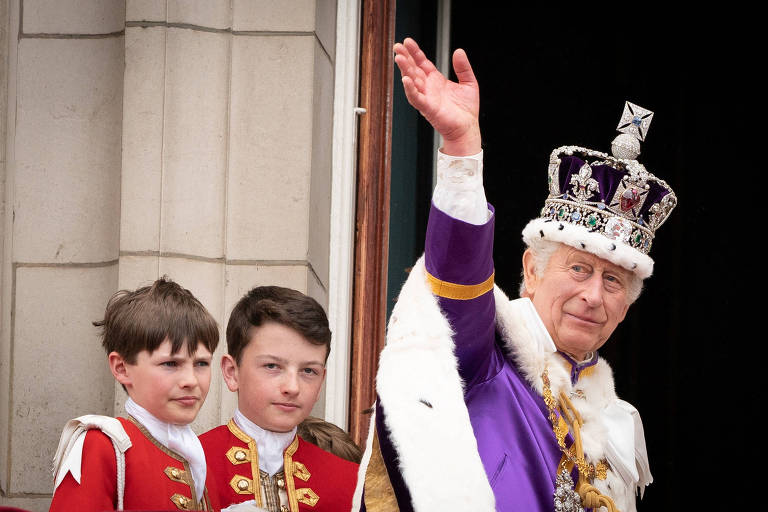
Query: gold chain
(588, 470)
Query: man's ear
(229, 372)
(118, 367)
(529, 272)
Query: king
(486, 403)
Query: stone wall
(190, 138)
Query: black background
(552, 78)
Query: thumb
(462, 68)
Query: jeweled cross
(635, 120)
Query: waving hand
(451, 108)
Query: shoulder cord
(590, 496)
(120, 475)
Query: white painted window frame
(343, 194)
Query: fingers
(408, 67)
(418, 56)
(462, 68)
(414, 96)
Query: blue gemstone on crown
(637, 121)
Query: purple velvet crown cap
(604, 204)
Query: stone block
(325, 25)
(137, 271)
(316, 290)
(270, 148)
(73, 16)
(142, 155)
(67, 144)
(145, 10)
(27, 503)
(274, 15)
(203, 13)
(195, 140)
(60, 370)
(320, 183)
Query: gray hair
(543, 249)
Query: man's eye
(270, 366)
(310, 371)
(612, 282)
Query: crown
(609, 205)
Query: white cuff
(459, 190)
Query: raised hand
(451, 108)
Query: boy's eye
(169, 364)
(203, 363)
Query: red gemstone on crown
(629, 199)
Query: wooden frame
(372, 213)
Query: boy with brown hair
(278, 342)
(159, 340)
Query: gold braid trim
(459, 291)
(590, 496)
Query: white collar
(179, 438)
(271, 445)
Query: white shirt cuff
(459, 190)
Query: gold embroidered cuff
(459, 291)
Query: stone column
(61, 228)
(188, 137)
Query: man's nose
(592, 292)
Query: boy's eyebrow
(178, 356)
(283, 361)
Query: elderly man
(491, 404)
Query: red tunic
(315, 480)
(156, 478)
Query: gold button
(240, 455)
(242, 485)
(175, 473)
(183, 501)
(283, 508)
(280, 482)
